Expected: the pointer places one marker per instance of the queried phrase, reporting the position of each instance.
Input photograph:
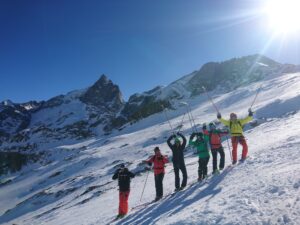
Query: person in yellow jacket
(236, 130)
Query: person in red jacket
(216, 147)
(159, 162)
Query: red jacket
(159, 163)
(215, 138)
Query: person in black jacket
(178, 159)
(123, 175)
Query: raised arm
(116, 175)
(169, 141)
(183, 138)
(225, 122)
(192, 136)
(246, 120)
(191, 142)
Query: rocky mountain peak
(7, 103)
(103, 80)
(103, 92)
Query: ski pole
(144, 185)
(190, 116)
(257, 92)
(165, 113)
(190, 110)
(229, 147)
(181, 124)
(212, 102)
(190, 119)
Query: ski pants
(214, 153)
(242, 141)
(182, 168)
(123, 202)
(159, 184)
(202, 169)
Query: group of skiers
(203, 142)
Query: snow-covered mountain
(70, 183)
(74, 116)
(100, 109)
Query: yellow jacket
(236, 127)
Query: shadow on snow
(174, 204)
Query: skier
(124, 176)
(236, 130)
(159, 162)
(215, 146)
(178, 159)
(201, 143)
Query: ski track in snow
(76, 188)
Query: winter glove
(192, 136)
(147, 168)
(250, 113)
(219, 115)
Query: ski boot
(216, 172)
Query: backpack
(210, 135)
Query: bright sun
(284, 15)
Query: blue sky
(50, 47)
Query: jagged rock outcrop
(104, 93)
(232, 73)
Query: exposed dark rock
(13, 118)
(14, 161)
(104, 93)
(232, 73)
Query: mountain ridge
(100, 109)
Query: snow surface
(75, 186)
(60, 116)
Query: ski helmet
(122, 166)
(200, 136)
(156, 149)
(212, 125)
(233, 116)
(177, 140)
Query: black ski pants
(202, 169)
(159, 184)
(214, 153)
(182, 168)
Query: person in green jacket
(201, 144)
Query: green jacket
(201, 146)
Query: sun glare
(284, 15)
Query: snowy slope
(75, 186)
